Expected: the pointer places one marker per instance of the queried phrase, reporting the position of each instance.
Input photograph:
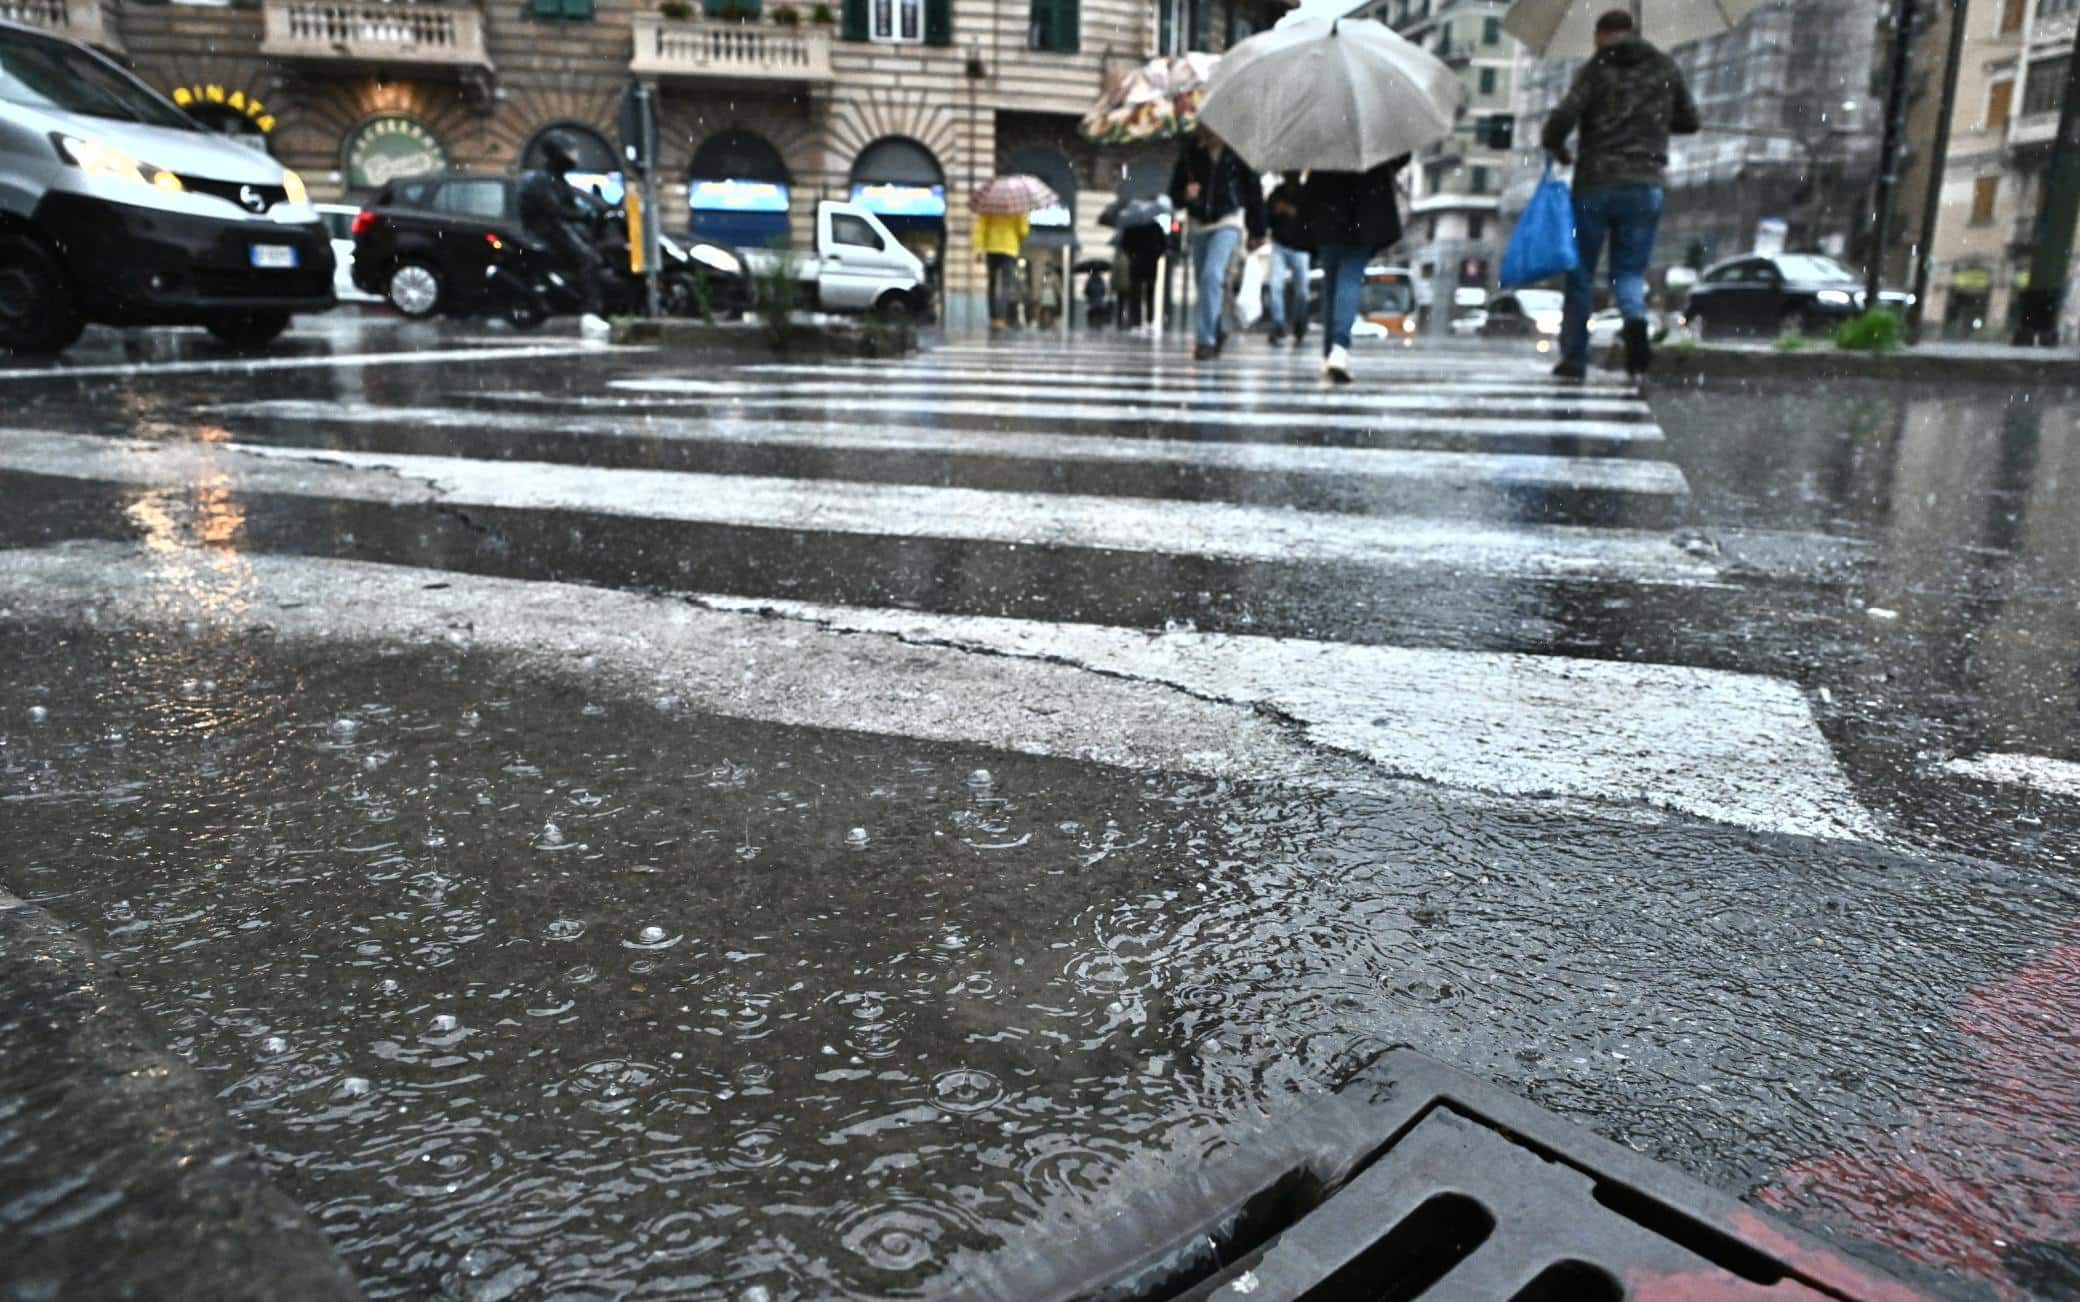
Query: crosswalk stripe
(1189, 528)
(1556, 405)
(1583, 428)
(1729, 747)
(255, 365)
(1147, 381)
(1455, 469)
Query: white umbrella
(1566, 29)
(1341, 95)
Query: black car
(1788, 293)
(425, 244)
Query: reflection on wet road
(603, 824)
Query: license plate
(274, 255)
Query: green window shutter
(1167, 27)
(854, 20)
(1491, 32)
(578, 9)
(1054, 26)
(1068, 18)
(938, 22)
(1201, 36)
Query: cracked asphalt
(602, 823)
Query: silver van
(118, 208)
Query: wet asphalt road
(610, 824)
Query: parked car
(339, 227)
(122, 209)
(427, 243)
(1523, 313)
(1388, 299)
(858, 266)
(1787, 293)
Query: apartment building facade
(1792, 118)
(765, 106)
(1456, 184)
(2010, 87)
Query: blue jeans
(1288, 266)
(1629, 215)
(1211, 251)
(1343, 276)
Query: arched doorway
(899, 181)
(738, 190)
(598, 166)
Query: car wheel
(524, 313)
(37, 314)
(250, 329)
(415, 289)
(893, 307)
(1797, 321)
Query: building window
(1480, 181)
(2053, 8)
(900, 22)
(1487, 81)
(1054, 26)
(573, 10)
(1476, 226)
(2046, 87)
(1491, 32)
(2013, 12)
(1984, 192)
(1998, 100)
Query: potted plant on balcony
(739, 12)
(823, 16)
(787, 16)
(676, 10)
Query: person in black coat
(1224, 197)
(1346, 217)
(1289, 260)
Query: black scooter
(531, 281)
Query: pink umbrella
(1008, 196)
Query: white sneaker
(593, 327)
(1337, 365)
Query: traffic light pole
(2040, 303)
(1932, 200)
(1889, 151)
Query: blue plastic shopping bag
(1543, 243)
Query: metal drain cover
(1437, 1186)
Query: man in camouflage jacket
(1625, 103)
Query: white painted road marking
(1452, 469)
(1182, 528)
(1044, 397)
(1729, 747)
(2038, 772)
(254, 365)
(1053, 371)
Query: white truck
(858, 266)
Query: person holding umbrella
(1290, 261)
(1625, 103)
(1347, 101)
(1225, 201)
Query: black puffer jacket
(1352, 209)
(1226, 184)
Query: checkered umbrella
(1008, 196)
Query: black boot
(1639, 353)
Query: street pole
(2056, 217)
(1932, 201)
(1889, 151)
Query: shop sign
(391, 148)
(737, 196)
(230, 100)
(1972, 280)
(892, 200)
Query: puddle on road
(524, 991)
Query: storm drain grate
(1436, 1187)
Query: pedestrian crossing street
(940, 547)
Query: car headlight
(97, 158)
(293, 184)
(1548, 323)
(1836, 297)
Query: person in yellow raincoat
(998, 238)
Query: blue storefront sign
(744, 214)
(886, 199)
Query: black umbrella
(1135, 212)
(1093, 264)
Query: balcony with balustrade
(723, 50)
(374, 32)
(91, 21)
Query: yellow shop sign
(231, 100)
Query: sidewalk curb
(1903, 367)
(119, 1174)
(752, 340)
